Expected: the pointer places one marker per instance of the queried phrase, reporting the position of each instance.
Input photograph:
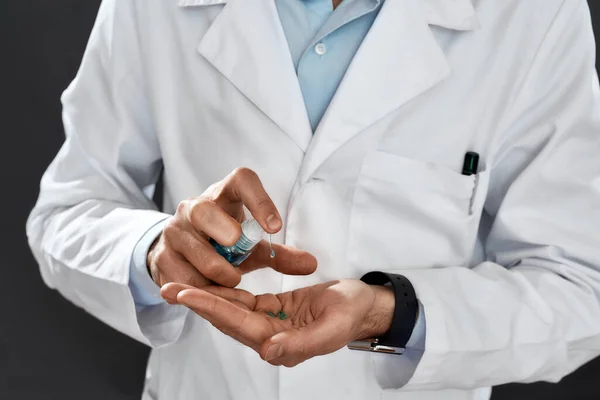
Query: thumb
(292, 347)
(287, 260)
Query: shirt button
(320, 49)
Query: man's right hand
(183, 254)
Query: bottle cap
(252, 233)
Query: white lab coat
(506, 263)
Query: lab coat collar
(398, 61)
(247, 45)
(459, 15)
(200, 3)
(451, 14)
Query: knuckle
(162, 258)
(234, 232)
(201, 209)
(244, 173)
(183, 206)
(170, 226)
(211, 268)
(200, 206)
(171, 229)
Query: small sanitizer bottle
(252, 234)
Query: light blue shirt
(322, 43)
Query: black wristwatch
(405, 315)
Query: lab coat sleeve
(396, 370)
(532, 311)
(93, 205)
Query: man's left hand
(320, 319)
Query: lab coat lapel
(398, 61)
(247, 44)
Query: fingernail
(273, 352)
(273, 222)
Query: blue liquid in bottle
(252, 234)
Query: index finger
(242, 325)
(243, 185)
(288, 260)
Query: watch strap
(405, 311)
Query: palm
(328, 311)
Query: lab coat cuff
(417, 339)
(395, 371)
(144, 290)
(428, 360)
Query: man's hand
(321, 318)
(183, 253)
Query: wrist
(406, 307)
(149, 258)
(150, 253)
(379, 320)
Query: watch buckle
(374, 346)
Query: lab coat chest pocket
(409, 214)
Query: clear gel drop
(272, 254)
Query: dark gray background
(49, 349)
